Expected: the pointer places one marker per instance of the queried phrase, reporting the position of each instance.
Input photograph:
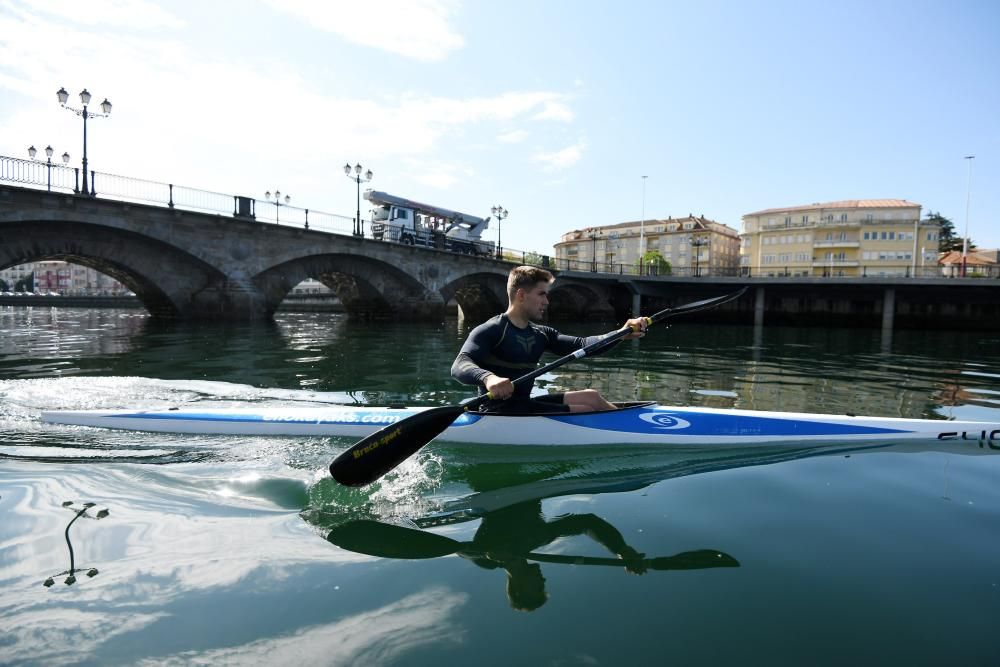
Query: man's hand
(638, 326)
(634, 563)
(499, 388)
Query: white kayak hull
(633, 424)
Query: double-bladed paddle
(375, 538)
(380, 452)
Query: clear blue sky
(553, 109)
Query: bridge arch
(481, 295)
(574, 300)
(139, 262)
(367, 287)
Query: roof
(977, 257)
(701, 222)
(846, 203)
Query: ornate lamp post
(85, 114)
(499, 212)
(359, 228)
(48, 161)
(593, 251)
(697, 242)
(277, 202)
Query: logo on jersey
(662, 420)
(526, 343)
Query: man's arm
(466, 368)
(562, 344)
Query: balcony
(835, 263)
(836, 244)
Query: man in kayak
(509, 345)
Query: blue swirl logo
(664, 421)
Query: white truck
(412, 223)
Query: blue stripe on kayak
(677, 422)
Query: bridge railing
(60, 178)
(35, 173)
(871, 270)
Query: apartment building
(64, 278)
(693, 245)
(856, 237)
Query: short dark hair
(524, 277)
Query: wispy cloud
(561, 159)
(197, 98)
(119, 13)
(513, 137)
(439, 176)
(555, 110)
(417, 29)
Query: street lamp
(968, 196)
(500, 213)
(359, 229)
(593, 252)
(85, 114)
(277, 202)
(642, 225)
(48, 161)
(697, 242)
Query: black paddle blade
(380, 452)
(693, 560)
(375, 538)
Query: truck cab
(400, 220)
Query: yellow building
(856, 237)
(692, 245)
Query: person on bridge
(510, 345)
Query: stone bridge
(191, 265)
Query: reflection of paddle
(374, 538)
(380, 452)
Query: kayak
(632, 423)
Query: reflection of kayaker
(506, 539)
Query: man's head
(526, 277)
(528, 291)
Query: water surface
(225, 549)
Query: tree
(947, 240)
(655, 263)
(25, 284)
(535, 259)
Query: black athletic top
(500, 347)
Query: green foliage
(947, 239)
(535, 259)
(654, 263)
(25, 284)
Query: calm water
(241, 550)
